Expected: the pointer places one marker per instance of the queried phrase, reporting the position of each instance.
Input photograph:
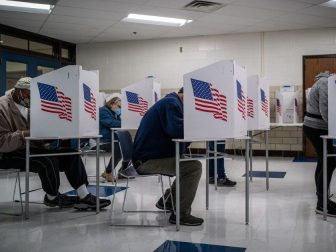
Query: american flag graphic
(278, 106)
(264, 102)
(53, 100)
(136, 103)
(241, 100)
(250, 108)
(208, 99)
(89, 101)
(296, 105)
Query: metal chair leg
(18, 178)
(123, 205)
(171, 195)
(164, 200)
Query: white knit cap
(23, 83)
(111, 96)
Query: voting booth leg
(207, 176)
(112, 157)
(325, 193)
(215, 162)
(178, 211)
(247, 193)
(266, 152)
(97, 175)
(27, 179)
(251, 153)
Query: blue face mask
(118, 111)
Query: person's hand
(26, 133)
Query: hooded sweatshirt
(317, 103)
(161, 123)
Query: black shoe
(169, 206)
(186, 220)
(222, 182)
(89, 202)
(61, 200)
(331, 209)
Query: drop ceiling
(90, 21)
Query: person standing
(315, 125)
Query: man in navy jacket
(154, 153)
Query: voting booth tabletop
(178, 246)
(104, 191)
(262, 174)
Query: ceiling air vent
(203, 6)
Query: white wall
(277, 55)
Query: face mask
(118, 111)
(25, 102)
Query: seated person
(14, 127)
(109, 117)
(222, 179)
(154, 153)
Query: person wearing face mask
(14, 127)
(109, 117)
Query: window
(65, 53)
(14, 42)
(40, 48)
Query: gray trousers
(190, 175)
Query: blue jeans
(220, 162)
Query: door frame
(32, 63)
(304, 57)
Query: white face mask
(25, 102)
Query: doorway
(14, 66)
(313, 65)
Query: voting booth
(286, 105)
(215, 101)
(136, 99)
(331, 105)
(257, 103)
(64, 103)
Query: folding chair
(126, 148)
(17, 181)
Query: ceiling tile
(281, 5)
(86, 13)
(320, 11)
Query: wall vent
(203, 6)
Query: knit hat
(23, 83)
(111, 96)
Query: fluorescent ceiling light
(331, 4)
(155, 20)
(25, 7)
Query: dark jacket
(161, 123)
(107, 120)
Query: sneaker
(89, 202)
(186, 220)
(331, 209)
(61, 200)
(222, 182)
(169, 206)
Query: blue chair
(126, 148)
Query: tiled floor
(282, 219)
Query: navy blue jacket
(107, 120)
(161, 123)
